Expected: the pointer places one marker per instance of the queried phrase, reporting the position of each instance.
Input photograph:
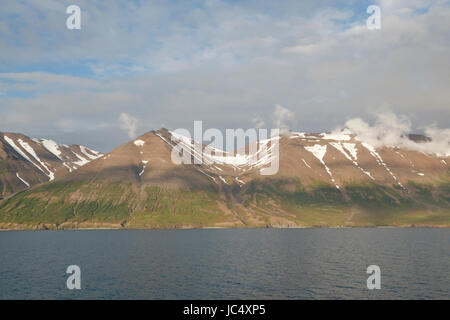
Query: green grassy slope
(283, 202)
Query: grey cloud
(392, 130)
(226, 65)
(128, 124)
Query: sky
(136, 66)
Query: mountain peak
(25, 161)
(322, 179)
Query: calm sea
(226, 264)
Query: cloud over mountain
(392, 130)
(220, 62)
(128, 124)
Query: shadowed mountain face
(25, 162)
(419, 138)
(323, 180)
(144, 161)
(311, 158)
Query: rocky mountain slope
(25, 162)
(323, 180)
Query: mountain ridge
(25, 161)
(323, 180)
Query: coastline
(52, 228)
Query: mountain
(25, 162)
(323, 180)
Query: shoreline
(229, 228)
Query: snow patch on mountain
(224, 181)
(261, 155)
(214, 179)
(319, 152)
(68, 168)
(351, 148)
(30, 150)
(297, 135)
(26, 183)
(19, 151)
(343, 135)
(139, 143)
(352, 154)
(239, 181)
(380, 161)
(306, 164)
(82, 161)
(51, 146)
(88, 153)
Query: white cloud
(258, 122)
(282, 118)
(222, 63)
(392, 131)
(128, 124)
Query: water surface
(226, 264)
